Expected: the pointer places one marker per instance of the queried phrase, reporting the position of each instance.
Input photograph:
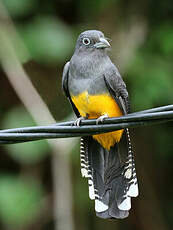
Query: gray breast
(87, 75)
(92, 85)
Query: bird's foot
(101, 119)
(78, 121)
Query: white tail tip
(133, 190)
(126, 204)
(100, 206)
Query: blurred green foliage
(151, 71)
(24, 153)
(150, 75)
(20, 7)
(47, 32)
(93, 6)
(162, 40)
(48, 39)
(20, 201)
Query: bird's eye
(86, 41)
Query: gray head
(91, 40)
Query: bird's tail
(111, 178)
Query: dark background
(41, 35)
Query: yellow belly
(95, 106)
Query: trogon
(95, 89)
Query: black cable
(68, 126)
(88, 127)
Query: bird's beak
(103, 43)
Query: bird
(96, 90)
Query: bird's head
(92, 40)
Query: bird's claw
(101, 119)
(78, 121)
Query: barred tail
(112, 181)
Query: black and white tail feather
(112, 181)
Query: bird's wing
(83, 152)
(117, 88)
(65, 87)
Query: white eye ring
(86, 41)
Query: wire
(88, 127)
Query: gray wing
(65, 87)
(117, 88)
(65, 79)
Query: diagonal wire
(68, 126)
(88, 127)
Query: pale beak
(103, 43)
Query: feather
(111, 179)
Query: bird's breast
(96, 105)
